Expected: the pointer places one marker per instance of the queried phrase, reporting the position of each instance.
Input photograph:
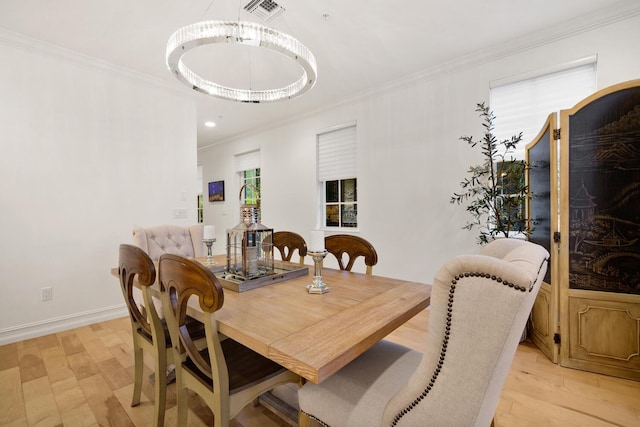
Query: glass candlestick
(317, 286)
(209, 243)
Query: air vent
(264, 9)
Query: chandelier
(246, 33)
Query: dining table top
(315, 335)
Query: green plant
(495, 193)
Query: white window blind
(523, 106)
(337, 154)
(247, 161)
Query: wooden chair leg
(182, 402)
(139, 368)
(160, 388)
(493, 422)
(304, 420)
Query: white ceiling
(358, 44)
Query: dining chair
(353, 247)
(479, 306)
(148, 329)
(170, 239)
(287, 242)
(225, 374)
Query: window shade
(337, 154)
(523, 106)
(248, 160)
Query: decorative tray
(281, 271)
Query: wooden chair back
(148, 331)
(134, 263)
(287, 242)
(225, 374)
(180, 279)
(353, 247)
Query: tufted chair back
(479, 307)
(480, 304)
(185, 241)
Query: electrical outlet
(46, 293)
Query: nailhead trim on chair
(319, 421)
(445, 341)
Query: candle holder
(317, 286)
(209, 243)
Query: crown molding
(578, 25)
(38, 47)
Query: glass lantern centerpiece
(249, 245)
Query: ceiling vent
(264, 9)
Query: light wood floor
(84, 377)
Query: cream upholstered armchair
(180, 240)
(479, 307)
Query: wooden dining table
(315, 335)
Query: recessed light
(210, 124)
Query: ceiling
(358, 44)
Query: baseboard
(51, 326)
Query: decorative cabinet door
(599, 259)
(542, 179)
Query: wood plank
(30, 361)
(48, 341)
(12, 407)
(327, 346)
(114, 374)
(71, 343)
(531, 397)
(72, 404)
(82, 365)
(40, 404)
(55, 361)
(104, 405)
(97, 350)
(8, 356)
(141, 414)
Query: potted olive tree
(495, 191)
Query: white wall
(87, 152)
(410, 159)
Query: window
(337, 177)
(247, 166)
(512, 195)
(251, 177)
(341, 203)
(523, 104)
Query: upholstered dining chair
(353, 246)
(170, 239)
(148, 329)
(225, 374)
(287, 242)
(479, 306)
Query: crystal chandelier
(246, 33)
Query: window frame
(341, 203)
(336, 161)
(254, 179)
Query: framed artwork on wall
(216, 191)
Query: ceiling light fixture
(246, 33)
(210, 124)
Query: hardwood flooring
(84, 377)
